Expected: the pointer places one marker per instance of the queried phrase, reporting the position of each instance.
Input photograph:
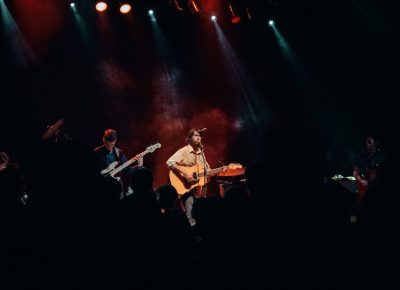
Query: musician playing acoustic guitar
(109, 153)
(183, 163)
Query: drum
(223, 185)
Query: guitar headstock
(153, 147)
(233, 169)
(234, 166)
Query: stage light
(248, 13)
(152, 16)
(101, 6)
(271, 23)
(125, 8)
(234, 17)
(72, 5)
(176, 5)
(194, 7)
(214, 18)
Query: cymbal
(52, 129)
(233, 172)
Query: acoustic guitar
(199, 175)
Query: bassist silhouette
(108, 153)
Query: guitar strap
(202, 192)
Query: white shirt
(186, 156)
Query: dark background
(152, 81)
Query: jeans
(188, 201)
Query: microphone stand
(204, 189)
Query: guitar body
(361, 189)
(182, 185)
(109, 168)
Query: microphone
(201, 130)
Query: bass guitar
(199, 176)
(114, 169)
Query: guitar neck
(211, 172)
(129, 162)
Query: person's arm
(174, 161)
(358, 177)
(140, 161)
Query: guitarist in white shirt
(109, 153)
(186, 157)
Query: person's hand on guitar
(182, 172)
(363, 182)
(139, 158)
(189, 179)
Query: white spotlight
(151, 15)
(271, 23)
(72, 5)
(214, 18)
(101, 6)
(125, 8)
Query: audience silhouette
(286, 227)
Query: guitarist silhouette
(366, 166)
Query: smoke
(115, 77)
(39, 21)
(216, 139)
(168, 119)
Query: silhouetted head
(141, 180)
(167, 196)
(371, 143)
(3, 160)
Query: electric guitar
(113, 169)
(362, 187)
(199, 175)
